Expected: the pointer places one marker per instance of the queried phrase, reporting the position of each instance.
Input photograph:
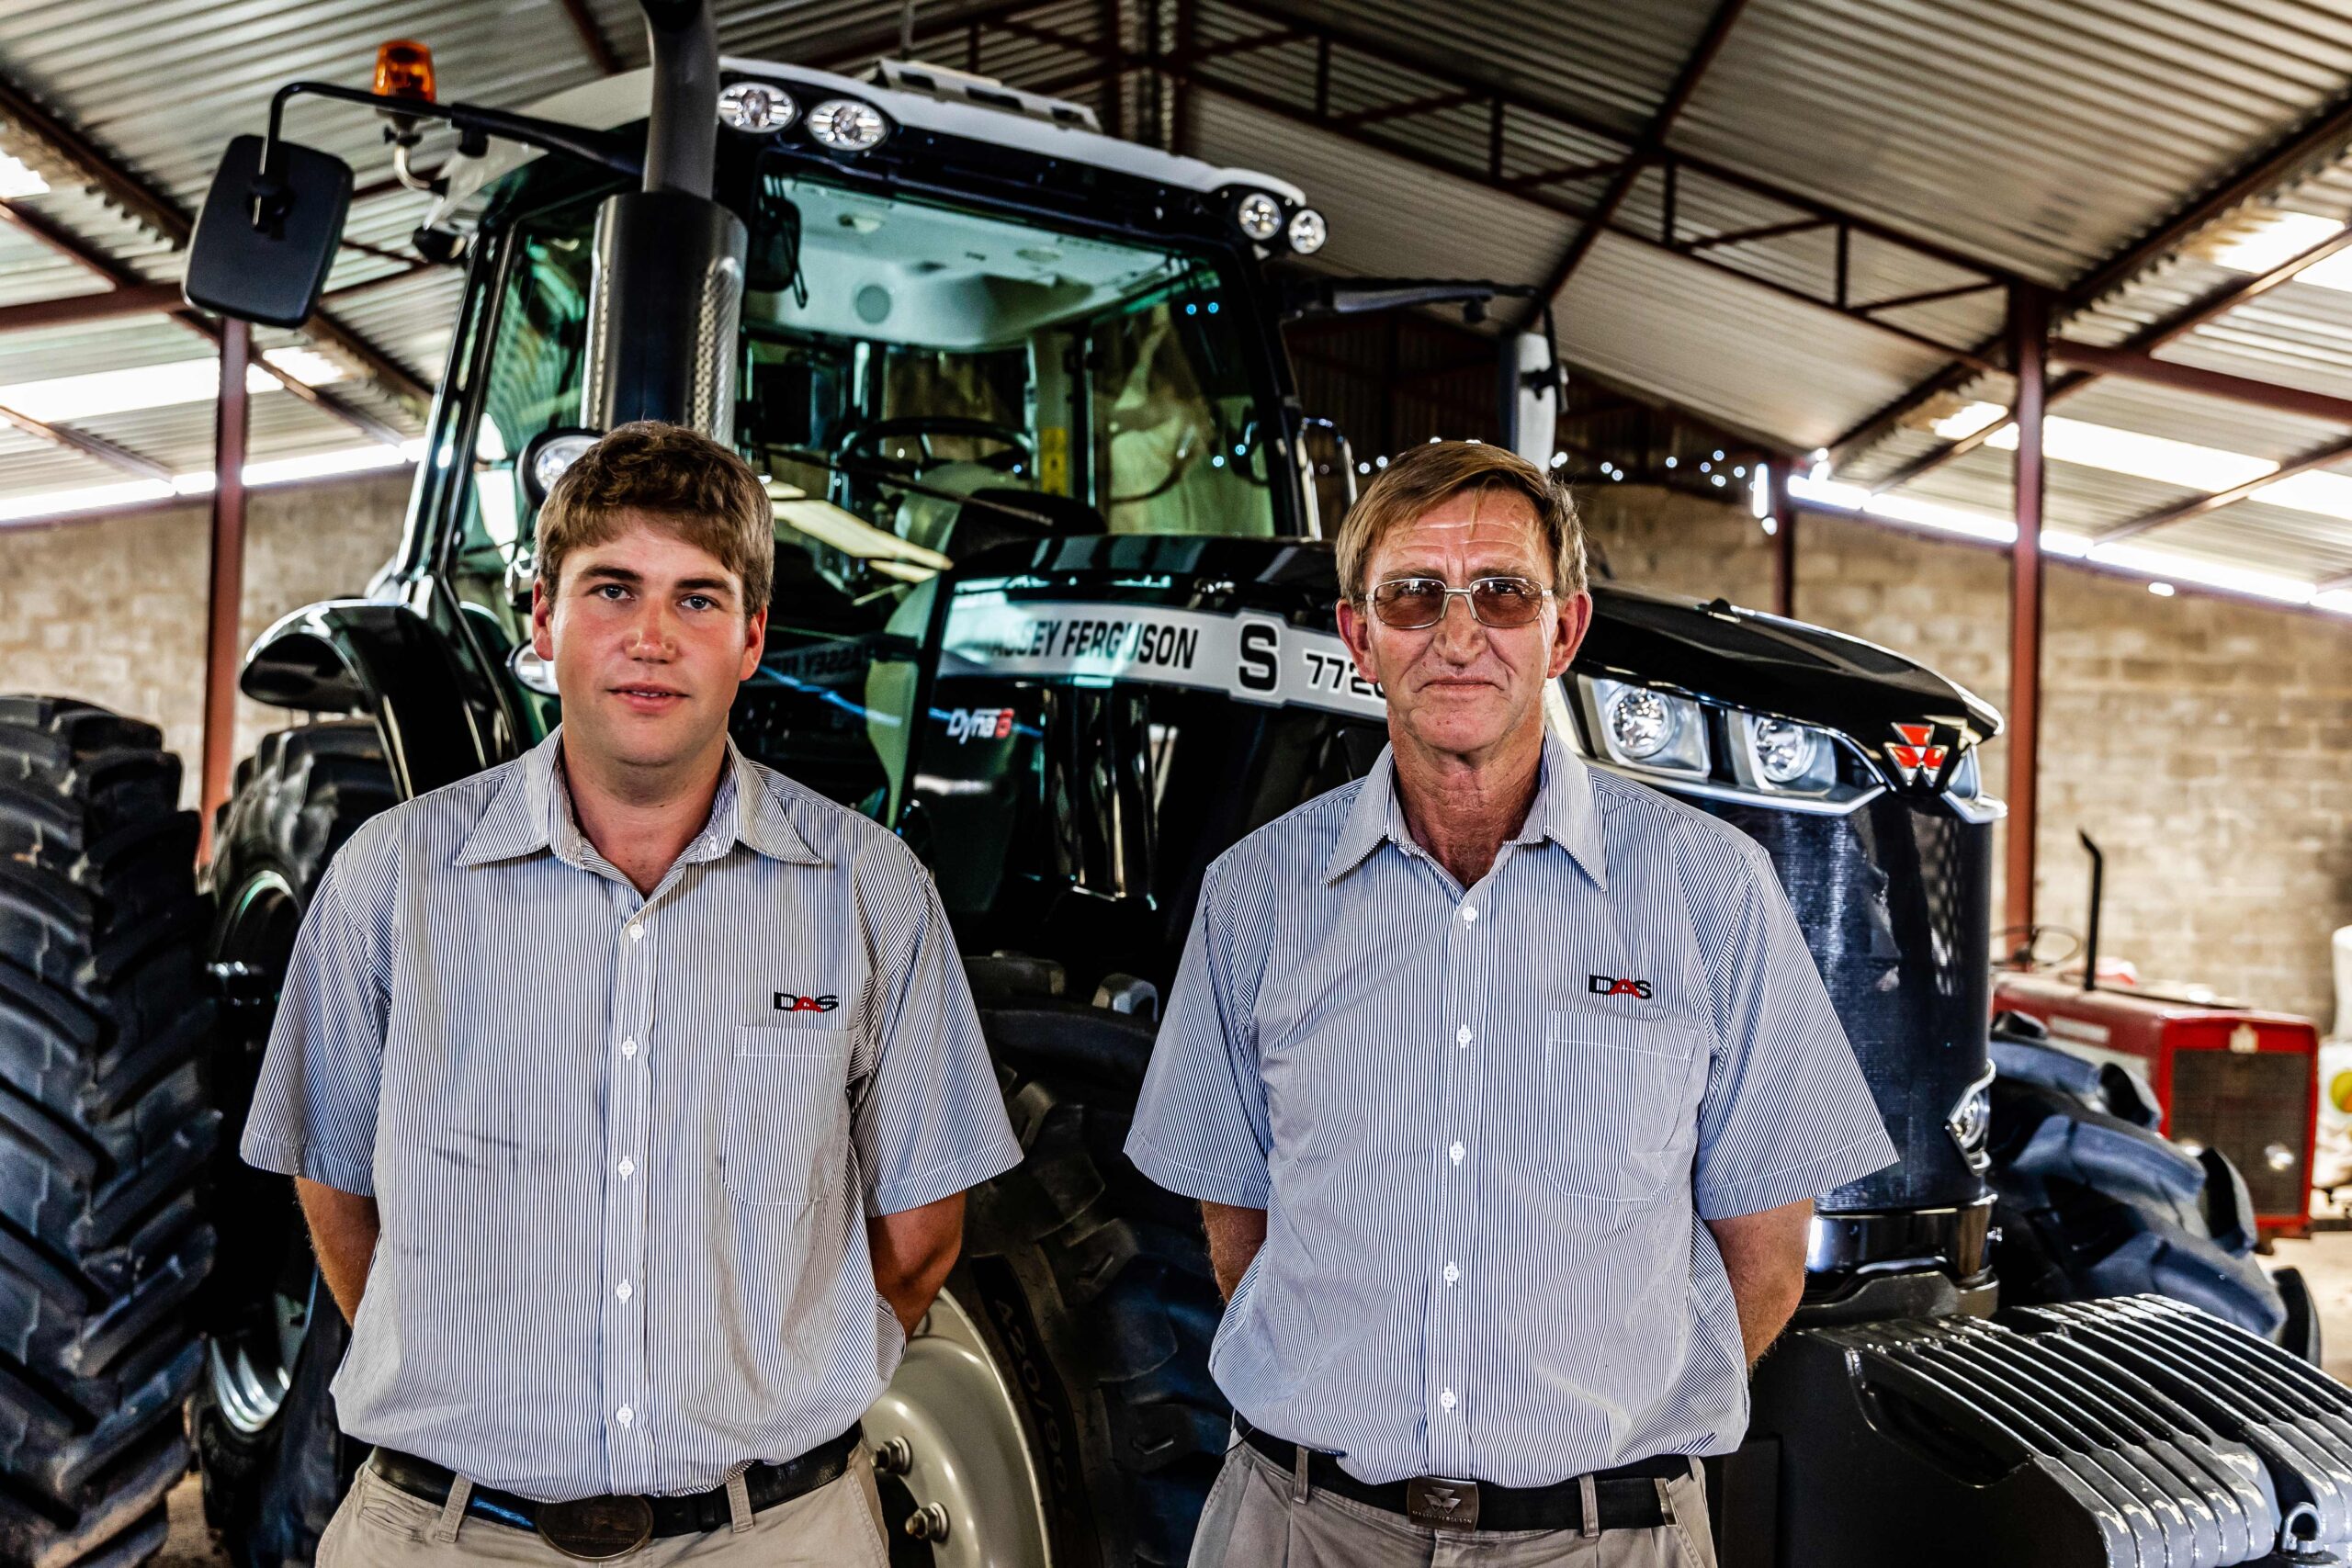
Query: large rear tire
(1092, 1289)
(104, 1131)
(275, 1463)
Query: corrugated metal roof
(1725, 347)
(2035, 136)
(2039, 134)
(1375, 227)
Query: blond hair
(677, 478)
(1429, 475)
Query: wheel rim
(252, 1372)
(251, 1360)
(948, 1433)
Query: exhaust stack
(667, 290)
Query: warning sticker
(1256, 659)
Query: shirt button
(1469, 913)
(628, 1047)
(1462, 1035)
(624, 1292)
(1452, 1274)
(636, 930)
(627, 1167)
(1446, 1402)
(1457, 1150)
(624, 1415)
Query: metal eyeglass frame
(1471, 593)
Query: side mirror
(266, 238)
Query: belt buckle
(1442, 1502)
(596, 1529)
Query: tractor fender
(387, 661)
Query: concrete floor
(2325, 1260)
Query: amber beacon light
(404, 69)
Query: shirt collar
(1563, 811)
(532, 811)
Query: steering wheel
(861, 446)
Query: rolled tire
(275, 1463)
(1092, 1289)
(105, 1129)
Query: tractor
(1054, 601)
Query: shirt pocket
(1614, 1085)
(786, 1094)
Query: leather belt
(1627, 1495)
(596, 1529)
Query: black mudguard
(439, 721)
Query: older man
(1505, 1084)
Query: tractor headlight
(1649, 728)
(1259, 216)
(1306, 231)
(756, 108)
(1687, 743)
(847, 126)
(545, 457)
(1781, 754)
(1970, 1124)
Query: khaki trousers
(1251, 1522)
(836, 1525)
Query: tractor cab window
(923, 382)
(530, 384)
(916, 383)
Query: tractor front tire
(275, 1464)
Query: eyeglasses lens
(1409, 604)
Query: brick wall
(2205, 742)
(112, 610)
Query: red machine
(2226, 1077)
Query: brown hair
(1427, 475)
(678, 477)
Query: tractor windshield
(915, 382)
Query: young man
(1500, 1239)
(631, 1090)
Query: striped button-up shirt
(623, 1147)
(1488, 1124)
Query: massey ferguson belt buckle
(596, 1529)
(1447, 1505)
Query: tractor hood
(1255, 619)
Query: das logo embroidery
(786, 1002)
(1604, 986)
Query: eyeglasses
(1409, 604)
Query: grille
(2241, 1102)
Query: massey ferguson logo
(968, 725)
(1918, 755)
(1602, 985)
(786, 1002)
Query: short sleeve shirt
(1488, 1124)
(623, 1147)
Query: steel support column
(1784, 536)
(2029, 345)
(221, 649)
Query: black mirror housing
(265, 241)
